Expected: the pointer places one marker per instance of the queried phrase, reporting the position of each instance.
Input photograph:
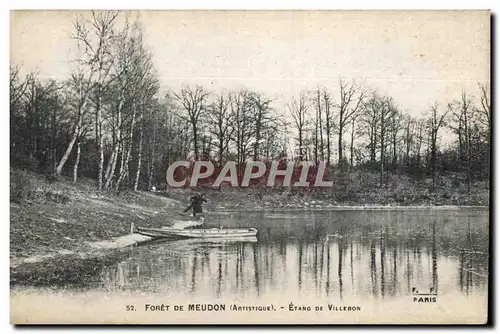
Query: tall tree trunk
(53, 139)
(195, 140)
(300, 145)
(341, 155)
(33, 117)
(100, 142)
(77, 160)
(382, 148)
(83, 98)
(352, 145)
(123, 164)
(316, 139)
(152, 163)
(372, 144)
(469, 159)
(320, 126)
(110, 170)
(66, 155)
(257, 140)
(433, 158)
(408, 145)
(139, 158)
(126, 156)
(394, 150)
(221, 148)
(460, 142)
(328, 134)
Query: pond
(345, 254)
(396, 266)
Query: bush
(23, 162)
(21, 188)
(56, 196)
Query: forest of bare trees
(110, 121)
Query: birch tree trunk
(77, 161)
(152, 164)
(100, 142)
(76, 131)
(139, 159)
(126, 157)
(110, 171)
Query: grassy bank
(62, 218)
(57, 228)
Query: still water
(339, 254)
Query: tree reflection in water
(351, 253)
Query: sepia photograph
(213, 167)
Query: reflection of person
(196, 204)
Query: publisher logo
(424, 296)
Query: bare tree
(354, 134)
(319, 125)
(327, 100)
(408, 137)
(462, 125)
(83, 133)
(219, 120)
(41, 103)
(299, 112)
(17, 86)
(376, 119)
(193, 102)
(351, 101)
(260, 107)
(395, 127)
(142, 88)
(419, 140)
(370, 120)
(242, 124)
(33, 103)
(123, 75)
(33, 97)
(79, 88)
(434, 123)
(126, 76)
(386, 109)
(148, 89)
(139, 157)
(94, 38)
(485, 110)
(275, 139)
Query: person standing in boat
(196, 204)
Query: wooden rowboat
(208, 233)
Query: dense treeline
(110, 121)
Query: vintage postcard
(249, 167)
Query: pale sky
(417, 57)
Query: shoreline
(64, 268)
(355, 207)
(98, 249)
(135, 239)
(61, 228)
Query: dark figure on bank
(196, 204)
